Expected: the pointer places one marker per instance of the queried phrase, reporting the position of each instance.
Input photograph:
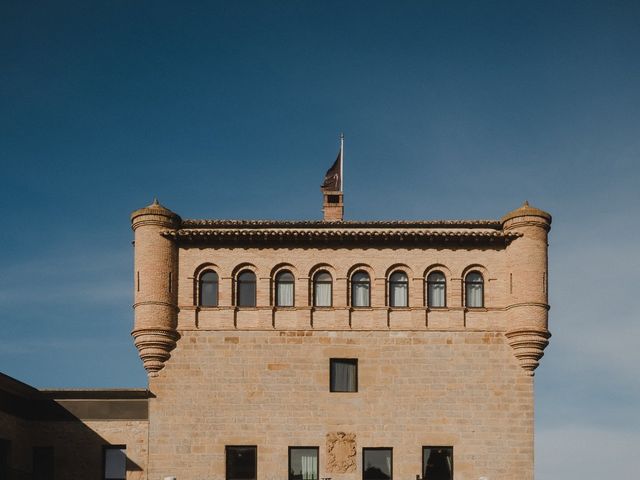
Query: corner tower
(156, 278)
(528, 305)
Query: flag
(332, 177)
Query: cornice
(322, 224)
(341, 235)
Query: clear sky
(450, 109)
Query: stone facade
(223, 375)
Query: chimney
(332, 205)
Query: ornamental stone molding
(528, 346)
(341, 452)
(154, 347)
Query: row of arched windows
(360, 289)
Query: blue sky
(450, 109)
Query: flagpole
(341, 162)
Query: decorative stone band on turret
(528, 346)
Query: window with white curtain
(246, 289)
(398, 289)
(303, 463)
(322, 289)
(284, 289)
(360, 289)
(377, 464)
(208, 289)
(436, 290)
(343, 374)
(474, 290)
(437, 463)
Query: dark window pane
(303, 463)
(5, 452)
(209, 289)
(247, 289)
(377, 464)
(285, 277)
(115, 463)
(323, 277)
(437, 463)
(241, 463)
(344, 375)
(43, 463)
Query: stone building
(319, 349)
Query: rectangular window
(115, 462)
(377, 464)
(437, 463)
(241, 462)
(343, 374)
(5, 454)
(42, 463)
(303, 463)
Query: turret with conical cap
(156, 277)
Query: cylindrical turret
(155, 277)
(527, 330)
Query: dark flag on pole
(333, 177)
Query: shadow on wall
(65, 434)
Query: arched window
(322, 289)
(436, 290)
(246, 291)
(474, 290)
(398, 290)
(284, 289)
(208, 289)
(360, 289)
